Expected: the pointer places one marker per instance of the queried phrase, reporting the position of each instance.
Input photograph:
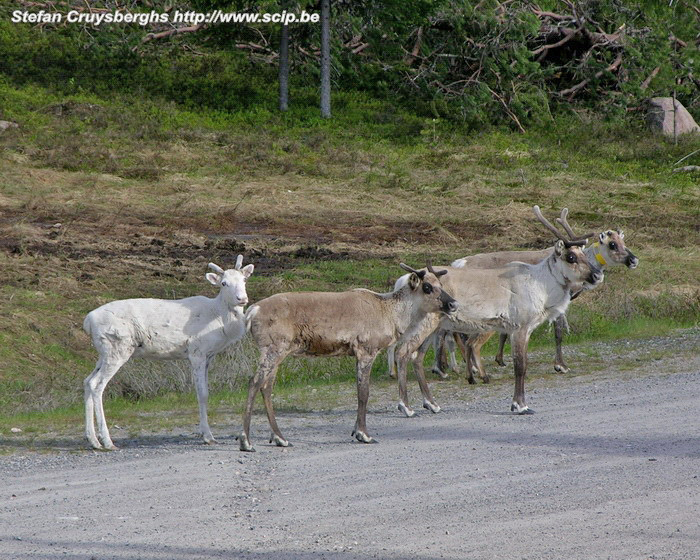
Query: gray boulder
(660, 117)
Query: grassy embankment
(146, 193)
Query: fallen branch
(551, 15)
(568, 35)
(676, 41)
(647, 81)
(505, 106)
(687, 168)
(360, 48)
(574, 89)
(686, 157)
(416, 48)
(171, 32)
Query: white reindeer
(196, 328)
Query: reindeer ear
(621, 233)
(601, 237)
(214, 279)
(414, 281)
(559, 248)
(247, 270)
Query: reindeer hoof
(408, 412)
(441, 374)
(561, 368)
(364, 438)
(279, 441)
(500, 362)
(471, 380)
(210, 441)
(521, 410)
(108, 446)
(486, 379)
(432, 407)
(244, 444)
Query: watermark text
(148, 18)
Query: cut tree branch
(574, 89)
(171, 32)
(647, 81)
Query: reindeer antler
(420, 273)
(555, 231)
(565, 224)
(239, 262)
(436, 273)
(546, 223)
(216, 268)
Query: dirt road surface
(609, 467)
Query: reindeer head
(609, 249)
(571, 260)
(426, 284)
(231, 282)
(575, 266)
(612, 250)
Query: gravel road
(607, 468)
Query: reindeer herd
(510, 292)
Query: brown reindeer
(357, 323)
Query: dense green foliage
(468, 61)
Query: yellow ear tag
(600, 259)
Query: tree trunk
(284, 68)
(325, 58)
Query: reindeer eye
(612, 245)
(427, 288)
(571, 258)
(224, 283)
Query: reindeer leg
(364, 369)
(270, 358)
(477, 345)
(519, 341)
(391, 361)
(428, 401)
(559, 326)
(266, 390)
(200, 375)
(94, 386)
(462, 341)
(450, 345)
(403, 392)
(501, 345)
(469, 358)
(88, 385)
(440, 365)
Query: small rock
(16, 430)
(4, 125)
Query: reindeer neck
(548, 267)
(594, 255)
(226, 311)
(405, 314)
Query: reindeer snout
(596, 276)
(449, 304)
(242, 300)
(632, 261)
